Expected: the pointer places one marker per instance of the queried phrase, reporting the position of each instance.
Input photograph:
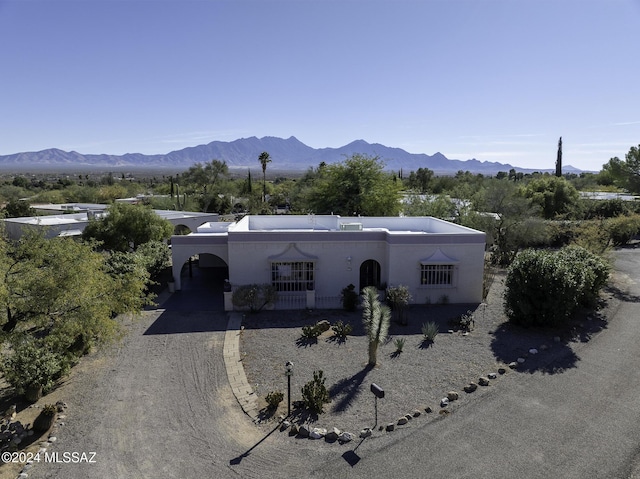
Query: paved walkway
(235, 370)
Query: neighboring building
(315, 256)
(72, 224)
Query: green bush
(311, 331)
(30, 364)
(623, 228)
(274, 398)
(315, 393)
(545, 288)
(341, 330)
(398, 298)
(254, 296)
(349, 298)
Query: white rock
(317, 433)
(533, 351)
(521, 360)
(366, 432)
(444, 402)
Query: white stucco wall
(249, 244)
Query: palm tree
(264, 158)
(376, 318)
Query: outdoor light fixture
(378, 392)
(289, 371)
(348, 258)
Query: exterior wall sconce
(349, 263)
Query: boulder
(346, 437)
(402, 421)
(317, 433)
(533, 351)
(304, 430)
(469, 388)
(416, 413)
(294, 430)
(501, 370)
(332, 435)
(366, 432)
(492, 375)
(444, 402)
(453, 396)
(482, 381)
(428, 410)
(284, 425)
(323, 325)
(513, 365)
(390, 427)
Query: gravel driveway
(159, 404)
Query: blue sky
(497, 80)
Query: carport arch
(180, 254)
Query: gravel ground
(418, 377)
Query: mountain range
(286, 155)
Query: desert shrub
(399, 344)
(254, 296)
(623, 228)
(311, 331)
(315, 393)
(398, 298)
(349, 298)
(430, 330)
(545, 288)
(31, 364)
(341, 330)
(464, 322)
(274, 398)
(444, 299)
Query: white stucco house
(313, 257)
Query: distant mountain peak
(286, 155)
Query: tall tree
(60, 288)
(126, 227)
(625, 174)
(358, 186)
(559, 159)
(376, 318)
(264, 158)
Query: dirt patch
(420, 375)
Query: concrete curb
(235, 370)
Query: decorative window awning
(292, 254)
(439, 258)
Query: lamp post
(288, 371)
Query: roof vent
(350, 226)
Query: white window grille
(436, 274)
(293, 275)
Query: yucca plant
(376, 318)
(430, 330)
(399, 344)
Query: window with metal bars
(436, 274)
(292, 276)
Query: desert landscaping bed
(420, 376)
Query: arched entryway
(369, 274)
(202, 279)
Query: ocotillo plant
(376, 318)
